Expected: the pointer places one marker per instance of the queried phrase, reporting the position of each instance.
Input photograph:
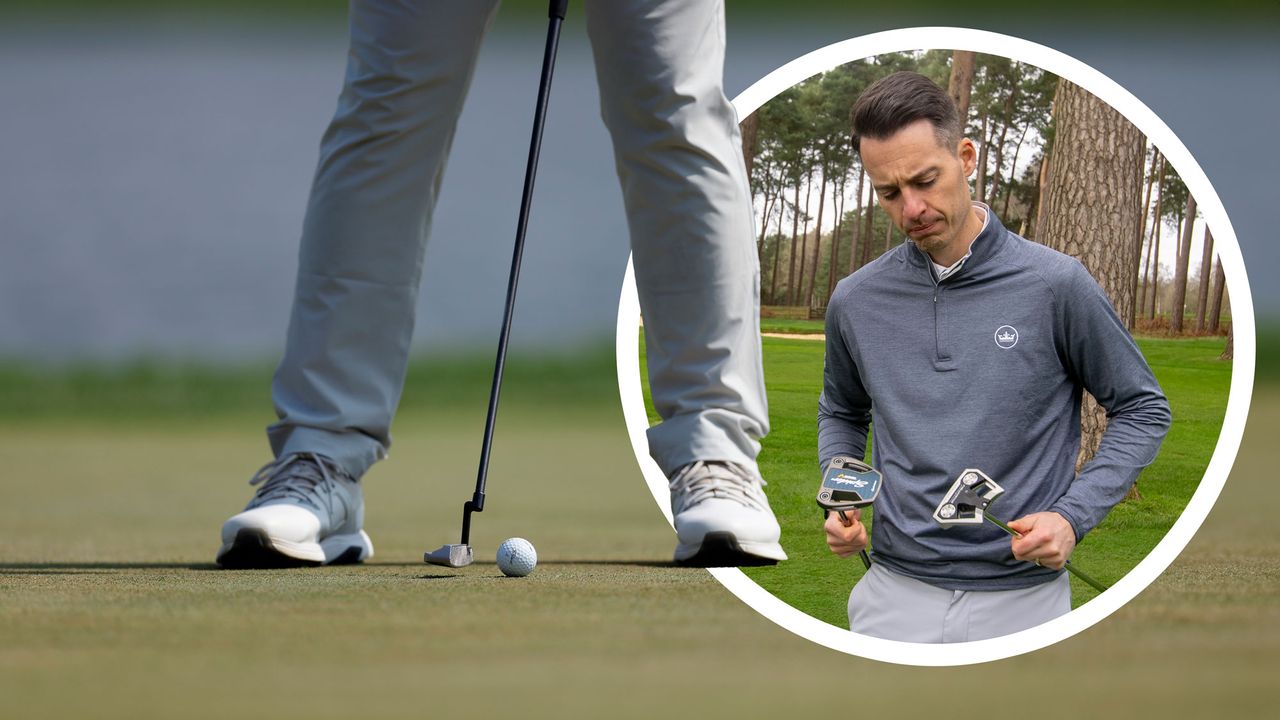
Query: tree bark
(1179, 304)
(1219, 286)
(961, 82)
(1229, 353)
(1091, 210)
(1206, 266)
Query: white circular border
(1228, 248)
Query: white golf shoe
(722, 517)
(308, 511)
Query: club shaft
(476, 504)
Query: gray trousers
(659, 66)
(887, 605)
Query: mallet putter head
(454, 556)
(967, 499)
(847, 484)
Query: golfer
(659, 65)
(970, 347)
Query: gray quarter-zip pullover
(984, 369)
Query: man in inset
(970, 347)
(679, 158)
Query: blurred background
(155, 159)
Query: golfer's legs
(381, 161)
(679, 157)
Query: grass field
(110, 608)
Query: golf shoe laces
(703, 480)
(306, 478)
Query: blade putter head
(968, 499)
(848, 483)
(454, 556)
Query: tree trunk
(804, 244)
(857, 242)
(1156, 224)
(817, 240)
(1142, 236)
(1230, 352)
(1091, 210)
(835, 243)
(791, 252)
(767, 203)
(1146, 263)
(1013, 169)
(1179, 304)
(1219, 285)
(980, 185)
(1206, 264)
(1033, 213)
(777, 253)
(958, 87)
(1005, 122)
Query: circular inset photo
(999, 304)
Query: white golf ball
(516, 557)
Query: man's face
(923, 186)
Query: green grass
(797, 327)
(109, 607)
(817, 582)
(148, 391)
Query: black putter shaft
(1070, 568)
(555, 13)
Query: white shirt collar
(945, 272)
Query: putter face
(970, 495)
(454, 556)
(848, 484)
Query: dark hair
(895, 101)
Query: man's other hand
(1047, 539)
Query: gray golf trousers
(888, 605)
(659, 65)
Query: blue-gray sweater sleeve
(1099, 351)
(844, 408)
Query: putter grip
(558, 9)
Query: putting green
(109, 606)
